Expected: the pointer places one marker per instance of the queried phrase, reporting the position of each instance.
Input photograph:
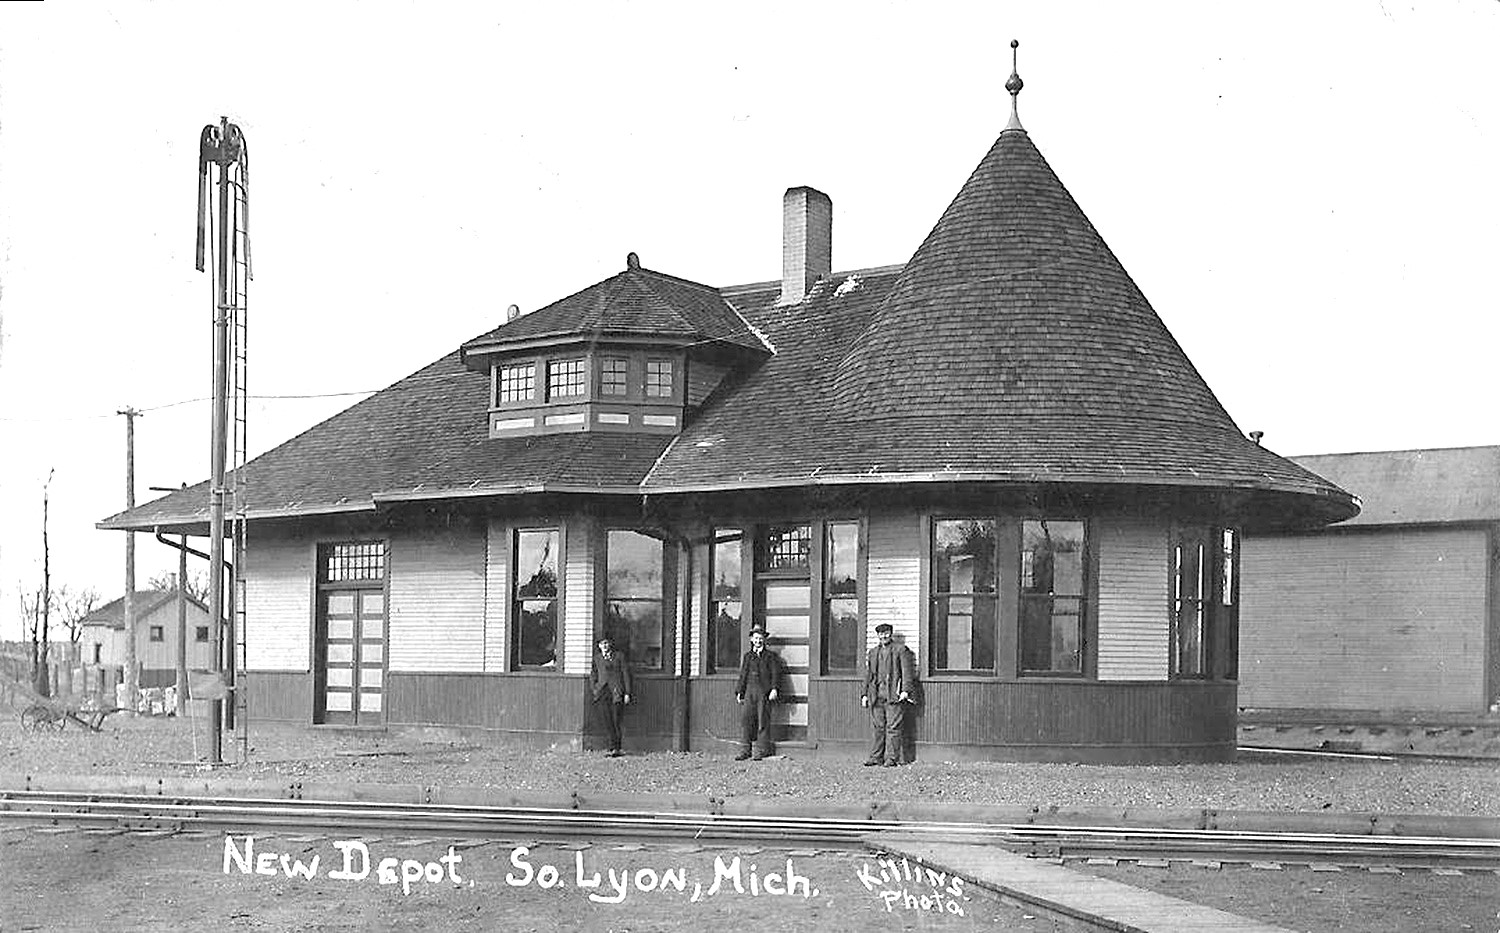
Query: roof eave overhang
(487, 348)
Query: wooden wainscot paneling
(715, 717)
(278, 696)
(1078, 721)
(538, 708)
(649, 719)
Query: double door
(349, 668)
(784, 607)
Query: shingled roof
(1012, 348)
(636, 302)
(1445, 485)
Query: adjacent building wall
(1389, 618)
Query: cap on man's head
(757, 630)
(883, 628)
(605, 639)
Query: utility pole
(129, 608)
(224, 146)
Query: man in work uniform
(757, 689)
(890, 681)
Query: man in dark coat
(890, 684)
(609, 679)
(758, 687)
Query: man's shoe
(890, 764)
(741, 756)
(872, 763)
(758, 756)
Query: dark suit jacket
(759, 675)
(609, 679)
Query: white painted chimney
(806, 241)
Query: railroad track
(243, 814)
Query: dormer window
(614, 376)
(565, 379)
(658, 378)
(517, 383)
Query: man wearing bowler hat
(758, 687)
(890, 681)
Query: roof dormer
(633, 353)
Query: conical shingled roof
(1014, 307)
(635, 302)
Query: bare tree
(166, 581)
(42, 607)
(74, 607)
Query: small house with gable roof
(996, 447)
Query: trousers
(755, 725)
(887, 731)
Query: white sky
(1307, 194)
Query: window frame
(605, 362)
(1002, 645)
(581, 382)
(1219, 571)
(671, 393)
(665, 600)
(514, 600)
(823, 530)
(1085, 599)
(200, 635)
(157, 634)
(744, 536)
(497, 383)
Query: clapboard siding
(1133, 599)
(894, 577)
(702, 554)
(578, 597)
(1390, 619)
(496, 594)
(437, 609)
(278, 603)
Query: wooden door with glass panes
(783, 604)
(349, 663)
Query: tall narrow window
(564, 379)
(658, 378)
(516, 383)
(1229, 613)
(1052, 595)
(635, 595)
(1190, 603)
(534, 599)
(614, 376)
(841, 616)
(963, 610)
(726, 606)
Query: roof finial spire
(1014, 85)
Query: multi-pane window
(963, 605)
(614, 376)
(202, 633)
(565, 379)
(658, 378)
(841, 618)
(534, 588)
(157, 633)
(352, 562)
(1191, 600)
(1052, 597)
(516, 383)
(634, 597)
(784, 547)
(726, 606)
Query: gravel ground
(157, 746)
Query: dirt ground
(77, 880)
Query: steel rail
(239, 813)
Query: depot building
(996, 447)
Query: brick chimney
(806, 241)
